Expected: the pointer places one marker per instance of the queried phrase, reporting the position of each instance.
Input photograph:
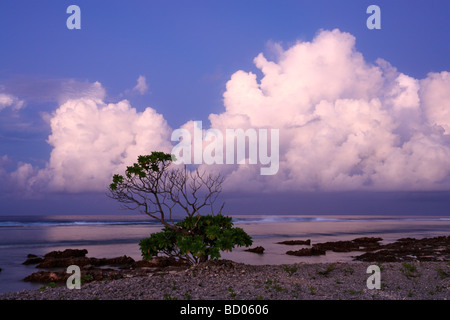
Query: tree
(157, 188)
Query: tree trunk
(203, 258)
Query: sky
(363, 114)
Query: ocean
(117, 235)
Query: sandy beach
(227, 280)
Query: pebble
(227, 280)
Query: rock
(410, 249)
(63, 262)
(338, 246)
(405, 249)
(358, 244)
(68, 253)
(144, 264)
(368, 244)
(160, 262)
(314, 251)
(58, 259)
(92, 274)
(124, 260)
(367, 240)
(92, 269)
(32, 260)
(296, 242)
(47, 276)
(379, 256)
(259, 250)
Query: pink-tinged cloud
(141, 85)
(10, 101)
(344, 124)
(92, 140)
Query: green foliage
(158, 190)
(327, 271)
(146, 165)
(442, 274)
(86, 278)
(232, 293)
(195, 239)
(167, 296)
(349, 270)
(409, 270)
(290, 269)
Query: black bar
(248, 309)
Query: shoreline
(409, 269)
(228, 280)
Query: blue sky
(187, 51)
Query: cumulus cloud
(141, 86)
(345, 124)
(91, 140)
(8, 100)
(435, 96)
(71, 89)
(42, 90)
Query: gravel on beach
(228, 280)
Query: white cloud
(141, 86)
(73, 89)
(345, 124)
(42, 90)
(92, 140)
(8, 100)
(435, 96)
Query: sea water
(118, 235)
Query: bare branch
(158, 193)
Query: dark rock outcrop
(62, 259)
(405, 249)
(368, 244)
(160, 262)
(314, 251)
(338, 246)
(93, 269)
(358, 244)
(87, 275)
(410, 249)
(68, 253)
(259, 250)
(296, 242)
(46, 277)
(32, 259)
